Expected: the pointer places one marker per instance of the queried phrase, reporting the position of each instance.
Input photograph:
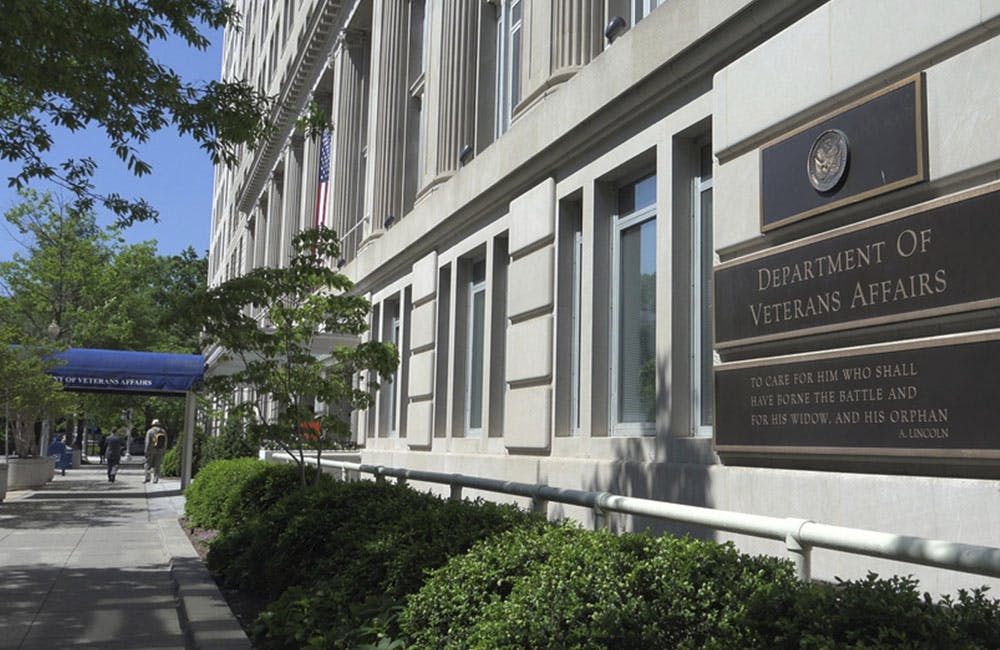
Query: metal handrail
(800, 535)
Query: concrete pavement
(93, 564)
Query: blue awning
(121, 371)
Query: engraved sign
(885, 133)
(931, 398)
(827, 160)
(928, 260)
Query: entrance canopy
(123, 372)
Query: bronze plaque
(867, 148)
(930, 398)
(928, 260)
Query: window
(576, 315)
(391, 383)
(702, 259)
(474, 349)
(633, 324)
(641, 8)
(508, 62)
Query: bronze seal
(827, 162)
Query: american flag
(323, 188)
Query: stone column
(350, 123)
(387, 125)
(310, 177)
(453, 124)
(275, 205)
(291, 197)
(576, 34)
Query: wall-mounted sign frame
(927, 260)
(867, 148)
(921, 399)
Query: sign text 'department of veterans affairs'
(936, 258)
(918, 399)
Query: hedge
(343, 553)
(562, 587)
(228, 493)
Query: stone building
(536, 194)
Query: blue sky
(180, 186)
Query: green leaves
(293, 337)
(77, 63)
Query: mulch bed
(245, 606)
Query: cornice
(319, 39)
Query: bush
(347, 554)
(228, 493)
(232, 442)
(878, 612)
(561, 587)
(171, 465)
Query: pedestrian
(102, 444)
(57, 449)
(156, 446)
(113, 454)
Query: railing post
(799, 553)
(539, 505)
(602, 519)
(401, 481)
(456, 492)
(379, 477)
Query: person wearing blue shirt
(57, 448)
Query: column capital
(352, 38)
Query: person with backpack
(156, 447)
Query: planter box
(27, 473)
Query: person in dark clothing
(103, 445)
(57, 449)
(113, 454)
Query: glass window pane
(707, 257)
(515, 69)
(637, 196)
(637, 323)
(705, 165)
(477, 314)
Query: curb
(206, 620)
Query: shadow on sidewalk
(45, 606)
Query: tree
(100, 293)
(274, 322)
(66, 254)
(27, 394)
(75, 64)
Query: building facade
(642, 246)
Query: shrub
(560, 586)
(878, 612)
(227, 493)
(347, 554)
(232, 442)
(171, 465)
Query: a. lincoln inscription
(928, 260)
(926, 398)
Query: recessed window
(577, 325)
(633, 358)
(702, 259)
(474, 349)
(641, 8)
(508, 76)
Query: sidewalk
(89, 563)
